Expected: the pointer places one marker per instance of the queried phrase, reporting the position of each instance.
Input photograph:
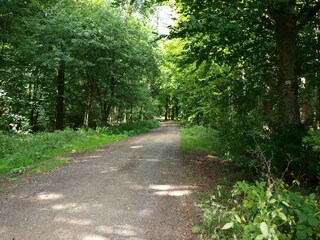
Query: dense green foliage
(22, 152)
(264, 209)
(73, 63)
(246, 69)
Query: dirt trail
(134, 190)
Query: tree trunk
(108, 105)
(60, 96)
(172, 113)
(167, 109)
(318, 108)
(286, 40)
(90, 85)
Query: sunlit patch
(121, 230)
(174, 193)
(74, 221)
(45, 196)
(95, 156)
(75, 207)
(99, 150)
(145, 212)
(94, 237)
(169, 187)
(134, 147)
(172, 190)
(3, 230)
(151, 160)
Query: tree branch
(306, 15)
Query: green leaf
(196, 229)
(237, 218)
(301, 235)
(302, 217)
(259, 237)
(227, 226)
(264, 229)
(313, 221)
(283, 216)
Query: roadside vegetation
(28, 152)
(264, 207)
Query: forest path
(138, 189)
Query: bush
(261, 211)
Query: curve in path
(133, 190)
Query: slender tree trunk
(286, 40)
(318, 108)
(60, 96)
(108, 105)
(316, 76)
(172, 113)
(167, 109)
(90, 85)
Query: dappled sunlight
(150, 160)
(74, 207)
(125, 230)
(93, 237)
(169, 187)
(146, 212)
(3, 230)
(95, 156)
(73, 221)
(135, 147)
(174, 193)
(172, 190)
(46, 196)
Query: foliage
(21, 152)
(199, 138)
(79, 63)
(261, 211)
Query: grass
(198, 138)
(38, 152)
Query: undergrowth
(267, 208)
(199, 138)
(29, 152)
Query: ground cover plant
(20, 152)
(267, 208)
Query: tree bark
(60, 84)
(172, 113)
(108, 105)
(286, 40)
(90, 85)
(167, 109)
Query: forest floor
(138, 189)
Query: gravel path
(137, 189)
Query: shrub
(261, 211)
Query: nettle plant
(262, 211)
